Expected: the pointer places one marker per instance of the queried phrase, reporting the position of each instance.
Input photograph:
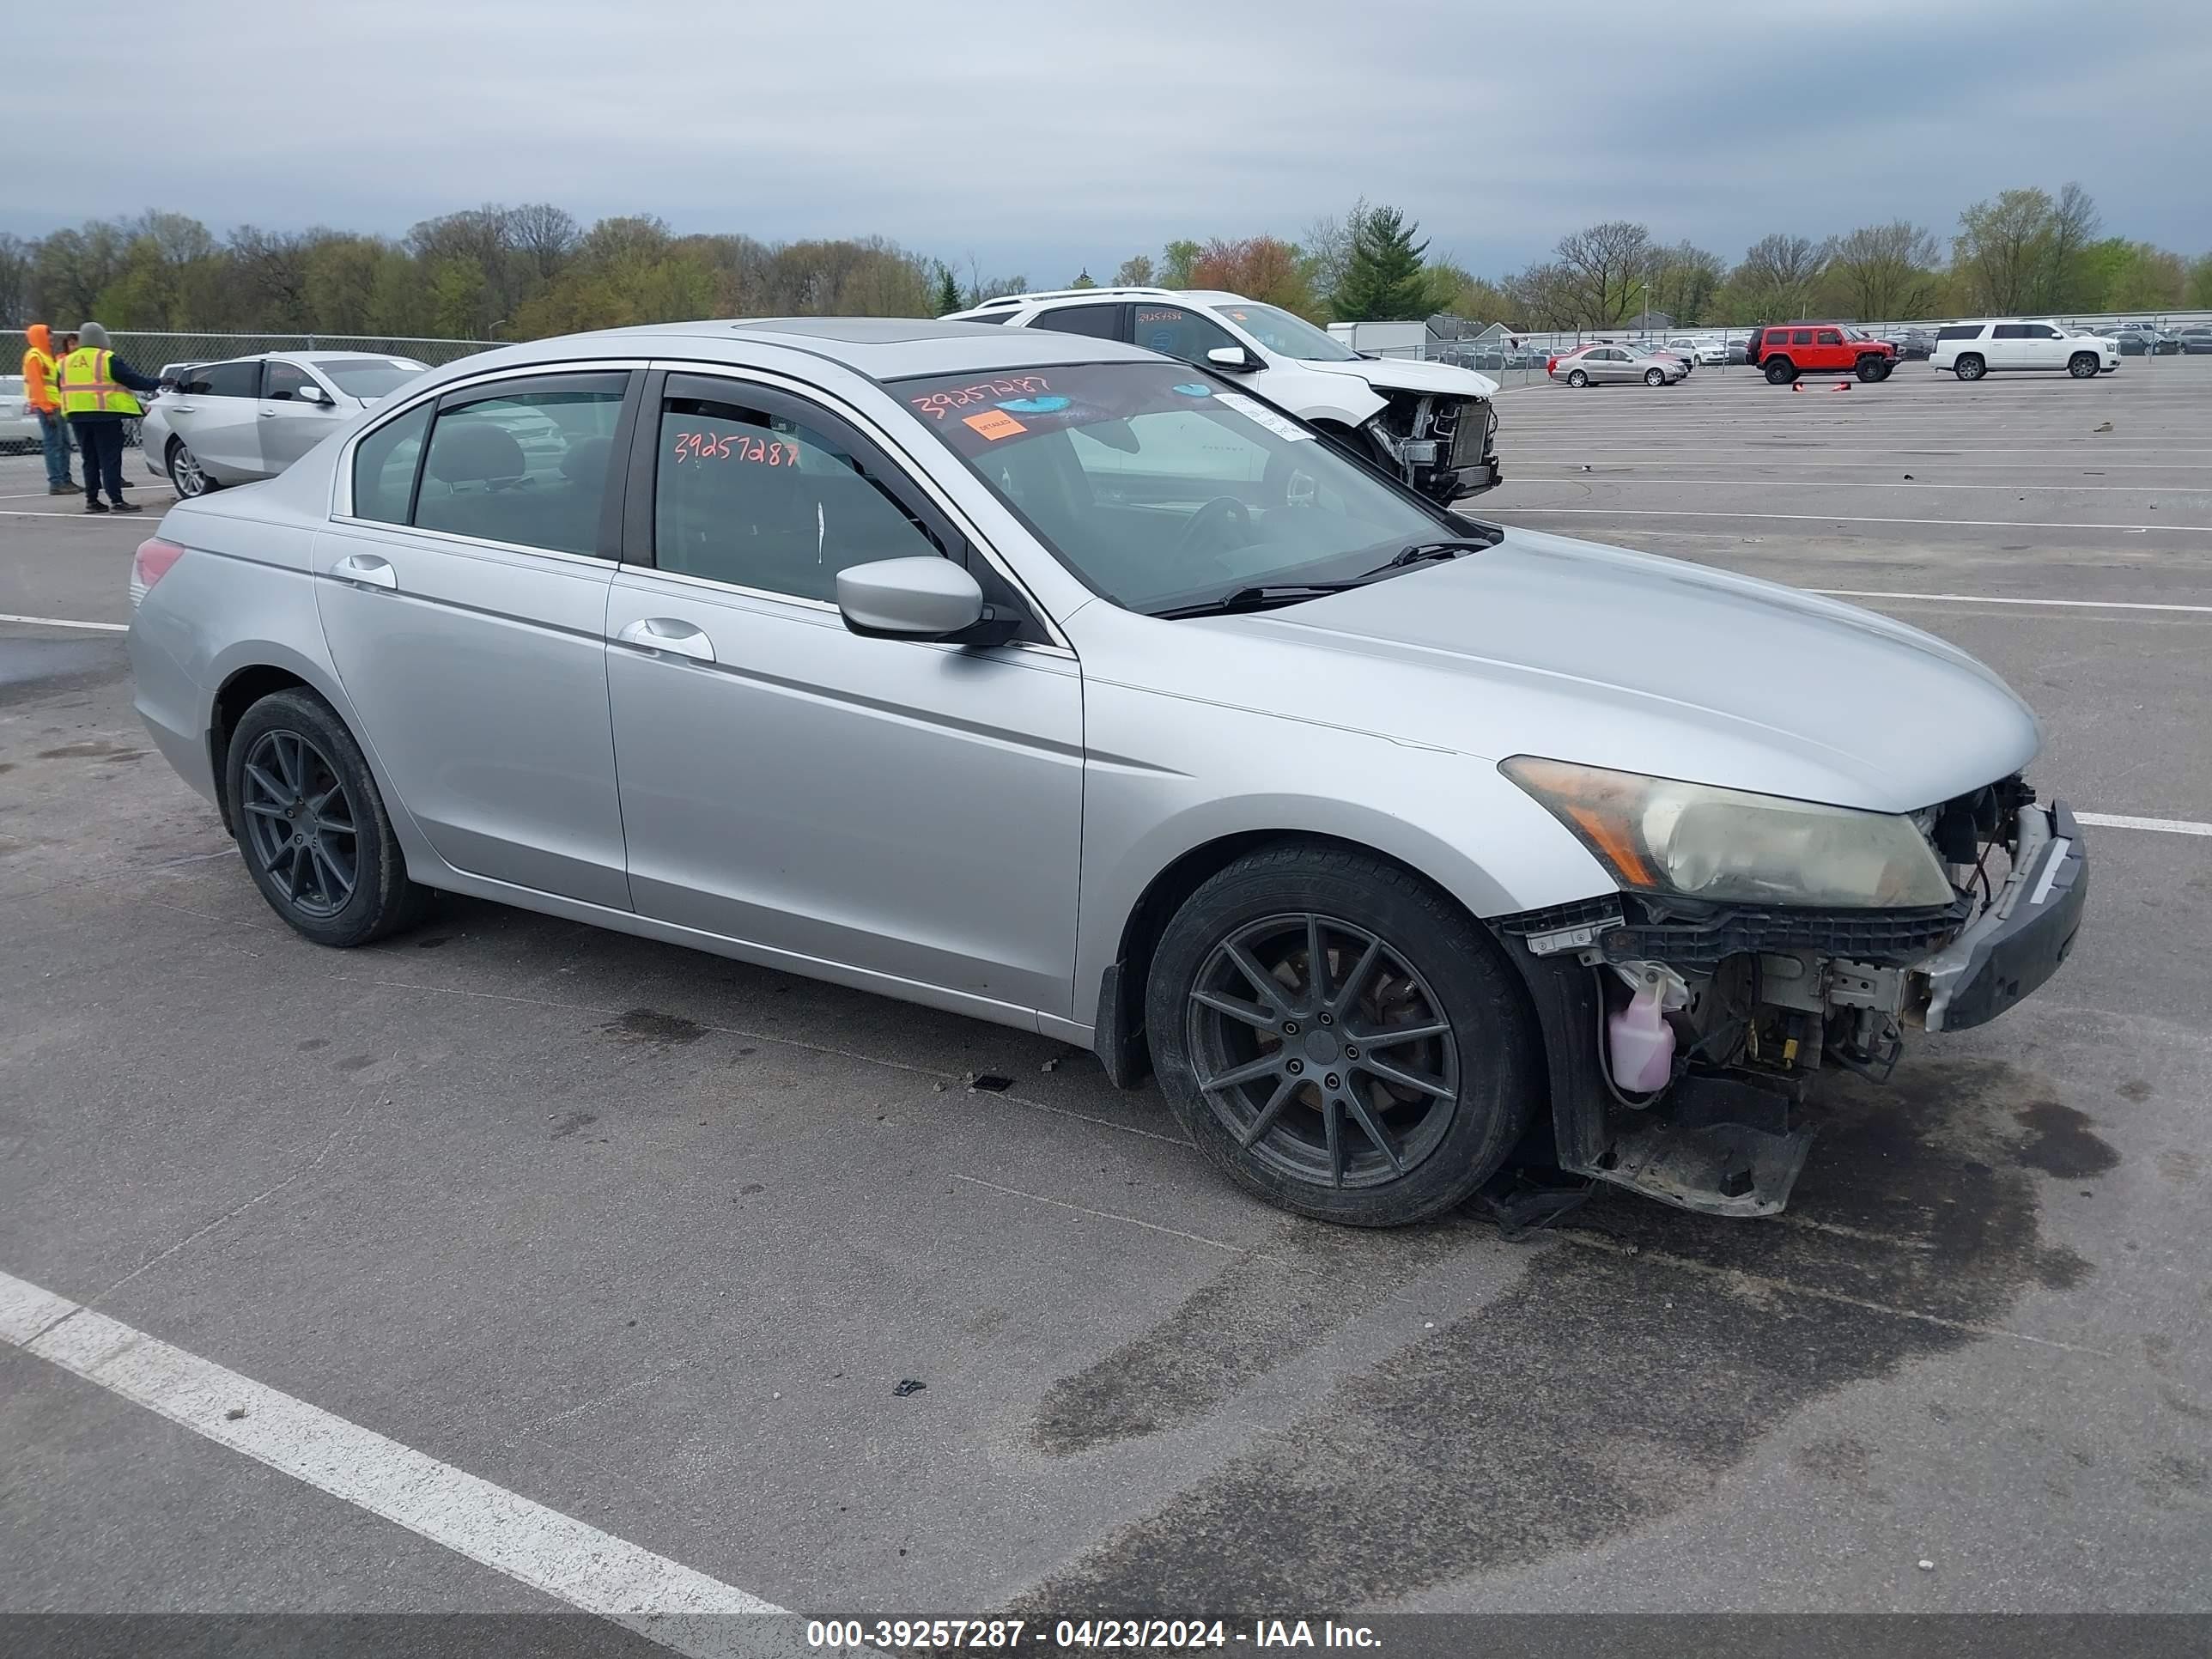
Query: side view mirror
(310, 393)
(1235, 358)
(924, 597)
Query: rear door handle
(366, 571)
(268, 414)
(669, 635)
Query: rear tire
(1577, 379)
(1780, 371)
(1383, 1095)
(2083, 365)
(313, 826)
(1970, 366)
(186, 476)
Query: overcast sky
(1044, 138)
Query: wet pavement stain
(1264, 1310)
(91, 749)
(1636, 1363)
(2063, 1144)
(571, 1123)
(648, 1025)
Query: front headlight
(1692, 841)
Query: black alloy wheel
(299, 824)
(1338, 1038)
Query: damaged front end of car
(1445, 447)
(1685, 1015)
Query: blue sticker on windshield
(1035, 405)
(1191, 389)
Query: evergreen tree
(948, 291)
(1384, 280)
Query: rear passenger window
(1960, 332)
(744, 495)
(384, 467)
(240, 379)
(1801, 336)
(526, 463)
(1097, 322)
(2012, 331)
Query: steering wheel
(1215, 516)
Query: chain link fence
(151, 353)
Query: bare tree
(1779, 272)
(1543, 296)
(543, 235)
(1608, 269)
(2073, 225)
(1885, 272)
(1136, 271)
(1683, 279)
(1325, 249)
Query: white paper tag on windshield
(1259, 412)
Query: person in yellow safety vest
(40, 370)
(95, 388)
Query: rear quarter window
(1960, 332)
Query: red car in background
(1782, 351)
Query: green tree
(1176, 262)
(2200, 283)
(948, 291)
(2026, 250)
(1384, 280)
(457, 298)
(1083, 279)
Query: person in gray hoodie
(96, 390)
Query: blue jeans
(54, 430)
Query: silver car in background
(1055, 683)
(246, 418)
(1605, 363)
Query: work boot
(118, 504)
(64, 489)
(96, 506)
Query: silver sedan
(1048, 681)
(1618, 365)
(246, 418)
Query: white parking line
(540, 1547)
(1985, 598)
(64, 622)
(79, 514)
(2163, 826)
(1843, 518)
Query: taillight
(149, 564)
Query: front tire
(1970, 366)
(186, 476)
(317, 839)
(1871, 368)
(1655, 377)
(1379, 1091)
(1780, 371)
(2083, 366)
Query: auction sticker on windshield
(1259, 412)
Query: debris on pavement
(907, 1386)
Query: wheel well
(240, 693)
(1120, 1037)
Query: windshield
(369, 377)
(1160, 487)
(1289, 335)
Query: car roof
(879, 348)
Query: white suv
(1971, 350)
(1434, 425)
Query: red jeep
(1785, 350)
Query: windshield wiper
(1255, 598)
(1425, 552)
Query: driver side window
(1177, 332)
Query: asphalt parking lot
(653, 1239)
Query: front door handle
(268, 414)
(670, 634)
(366, 571)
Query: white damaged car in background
(1432, 424)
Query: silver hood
(1547, 646)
